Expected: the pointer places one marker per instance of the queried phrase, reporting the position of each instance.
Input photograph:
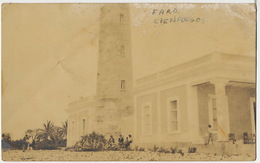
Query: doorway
(253, 114)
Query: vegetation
(6, 141)
(139, 149)
(53, 137)
(92, 142)
(97, 142)
(48, 137)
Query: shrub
(8, 143)
(163, 150)
(45, 145)
(92, 142)
(180, 152)
(139, 149)
(17, 144)
(155, 148)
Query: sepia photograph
(128, 82)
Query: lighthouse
(115, 77)
(110, 111)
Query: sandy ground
(59, 155)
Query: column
(159, 121)
(193, 114)
(135, 135)
(222, 109)
(78, 127)
(69, 133)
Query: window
(253, 113)
(99, 119)
(122, 84)
(173, 115)
(73, 129)
(147, 120)
(83, 127)
(213, 119)
(122, 50)
(121, 18)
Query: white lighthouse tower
(110, 112)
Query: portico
(224, 100)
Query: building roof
(220, 65)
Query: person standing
(126, 143)
(210, 133)
(121, 140)
(130, 139)
(30, 143)
(25, 142)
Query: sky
(49, 51)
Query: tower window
(122, 50)
(99, 119)
(121, 18)
(122, 84)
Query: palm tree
(47, 132)
(46, 137)
(50, 136)
(61, 134)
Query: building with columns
(110, 111)
(178, 104)
(175, 105)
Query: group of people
(122, 143)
